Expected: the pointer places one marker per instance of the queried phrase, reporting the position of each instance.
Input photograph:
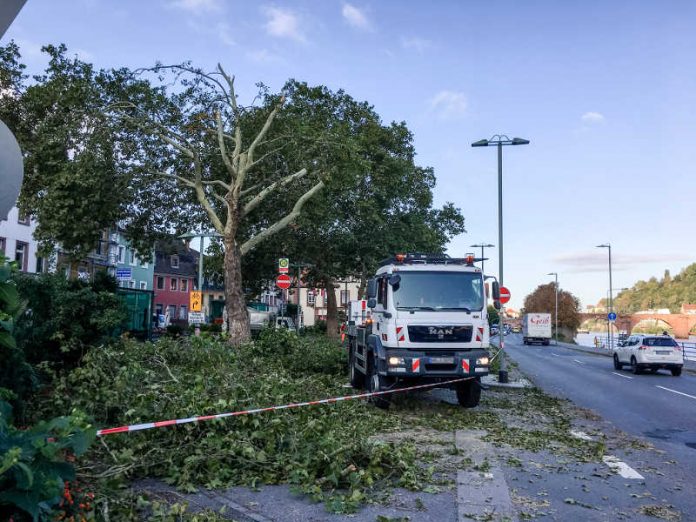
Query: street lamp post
(191, 235)
(556, 286)
(611, 297)
(498, 141)
(482, 246)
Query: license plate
(663, 352)
(441, 360)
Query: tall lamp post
(611, 297)
(482, 246)
(202, 235)
(556, 286)
(498, 141)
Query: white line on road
(555, 354)
(579, 362)
(675, 391)
(624, 376)
(621, 468)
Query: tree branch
(237, 118)
(223, 149)
(281, 224)
(256, 200)
(264, 130)
(217, 182)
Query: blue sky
(605, 91)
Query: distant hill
(668, 292)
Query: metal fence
(689, 351)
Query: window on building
(160, 283)
(40, 265)
(143, 285)
(121, 254)
(311, 298)
(174, 261)
(131, 257)
(22, 255)
(158, 308)
(183, 312)
(345, 297)
(123, 284)
(23, 219)
(131, 284)
(184, 285)
(173, 283)
(3, 242)
(171, 309)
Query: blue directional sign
(124, 274)
(611, 316)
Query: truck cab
(428, 324)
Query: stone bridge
(681, 324)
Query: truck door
(381, 320)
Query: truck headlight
(396, 361)
(482, 361)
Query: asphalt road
(657, 407)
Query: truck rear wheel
(377, 383)
(469, 393)
(357, 378)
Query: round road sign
(504, 295)
(283, 281)
(611, 316)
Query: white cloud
(224, 34)
(415, 43)
(262, 56)
(283, 23)
(449, 104)
(198, 6)
(592, 117)
(355, 17)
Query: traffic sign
(611, 316)
(124, 274)
(283, 281)
(504, 295)
(283, 265)
(196, 318)
(195, 301)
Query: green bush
(321, 449)
(34, 468)
(63, 319)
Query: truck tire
(357, 378)
(469, 393)
(375, 383)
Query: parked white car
(649, 352)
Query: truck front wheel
(376, 383)
(469, 393)
(357, 378)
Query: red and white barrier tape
(176, 422)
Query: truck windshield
(439, 291)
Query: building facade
(313, 301)
(175, 275)
(18, 244)
(126, 260)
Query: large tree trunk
(331, 309)
(237, 315)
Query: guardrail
(689, 350)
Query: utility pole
(482, 246)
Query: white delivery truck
(536, 328)
(425, 321)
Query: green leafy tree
(669, 292)
(543, 300)
(493, 315)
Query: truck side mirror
(372, 289)
(496, 291)
(371, 302)
(497, 305)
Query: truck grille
(440, 334)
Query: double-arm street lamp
(482, 246)
(498, 141)
(611, 298)
(556, 286)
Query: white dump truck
(427, 323)
(536, 328)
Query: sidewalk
(689, 365)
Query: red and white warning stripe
(176, 422)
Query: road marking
(624, 376)
(675, 391)
(621, 468)
(580, 435)
(555, 354)
(579, 362)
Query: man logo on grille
(440, 332)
